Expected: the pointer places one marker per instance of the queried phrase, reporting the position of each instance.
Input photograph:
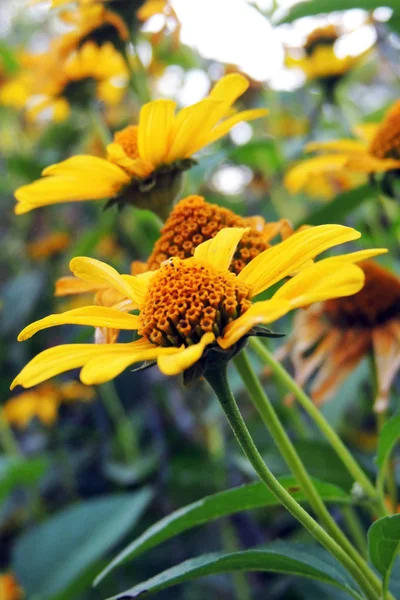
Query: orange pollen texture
(386, 143)
(128, 139)
(322, 36)
(187, 299)
(194, 221)
(375, 304)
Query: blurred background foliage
(91, 471)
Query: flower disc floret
(187, 299)
(127, 138)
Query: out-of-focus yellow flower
(9, 588)
(320, 182)
(92, 70)
(48, 245)
(330, 339)
(376, 151)
(150, 8)
(43, 402)
(191, 309)
(145, 162)
(319, 60)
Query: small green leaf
(316, 7)
(341, 206)
(383, 546)
(65, 546)
(290, 559)
(246, 497)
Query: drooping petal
(298, 177)
(95, 316)
(320, 282)
(285, 258)
(173, 364)
(219, 251)
(342, 146)
(263, 312)
(95, 271)
(155, 123)
(66, 286)
(76, 179)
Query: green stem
(356, 529)
(99, 125)
(7, 439)
(289, 453)
(348, 460)
(123, 426)
(217, 378)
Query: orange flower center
(386, 143)
(322, 36)
(376, 303)
(194, 221)
(128, 139)
(187, 299)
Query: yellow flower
(9, 588)
(376, 151)
(43, 402)
(144, 162)
(319, 182)
(48, 245)
(330, 339)
(191, 308)
(99, 67)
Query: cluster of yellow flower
(195, 300)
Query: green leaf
(19, 298)
(383, 546)
(20, 471)
(246, 497)
(68, 544)
(387, 439)
(341, 206)
(290, 559)
(316, 7)
(259, 154)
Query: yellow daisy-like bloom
(376, 151)
(9, 588)
(189, 309)
(145, 162)
(331, 339)
(319, 60)
(43, 403)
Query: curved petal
(229, 88)
(155, 123)
(96, 271)
(298, 177)
(173, 364)
(219, 251)
(355, 257)
(223, 128)
(66, 286)
(263, 312)
(321, 282)
(370, 164)
(94, 316)
(343, 146)
(281, 260)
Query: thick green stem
(217, 378)
(348, 460)
(289, 453)
(355, 528)
(7, 439)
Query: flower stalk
(217, 378)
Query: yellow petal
(95, 271)
(366, 131)
(113, 363)
(179, 362)
(66, 286)
(354, 257)
(223, 128)
(320, 282)
(345, 146)
(300, 175)
(370, 164)
(263, 312)
(219, 251)
(155, 123)
(229, 88)
(95, 316)
(140, 285)
(76, 179)
(285, 258)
